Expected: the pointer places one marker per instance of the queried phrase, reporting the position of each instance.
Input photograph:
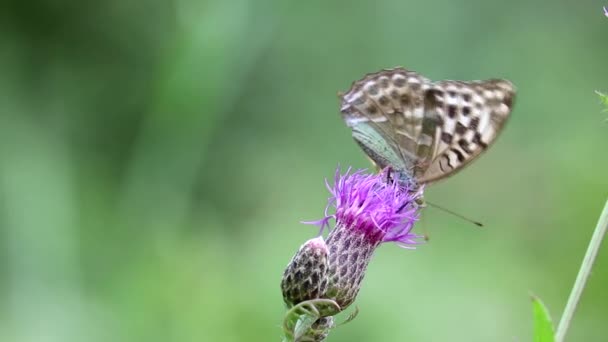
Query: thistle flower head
(384, 210)
(369, 210)
(305, 277)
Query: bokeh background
(156, 158)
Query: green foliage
(543, 327)
(299, 320)
(603, 99)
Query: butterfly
(423, 130)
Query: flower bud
(306, 276)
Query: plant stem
(583, 274)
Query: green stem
(583, 274)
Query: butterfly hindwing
(378, 147)
(471, 114)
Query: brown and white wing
(436, 128)
(392, 101)
(469, 117)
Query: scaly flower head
(384, 210)
(369, 209)
(305, 277)
(324, 276)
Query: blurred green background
(156, 158)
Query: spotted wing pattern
(438, 127)
(393, 102)
(471, 116)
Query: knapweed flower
(305, 277)
(324, 276)
(369, 210)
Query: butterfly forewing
(436, 128)
(391, 102)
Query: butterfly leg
(389, 180)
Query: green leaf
(350, 317)
(543, 328)
(603, 99)
(303, 326)
(299, 319)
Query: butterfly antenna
(478, 224)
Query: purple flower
(384, 211)
(305, 277)
(324, 276)
(605, 11)
(369, 210)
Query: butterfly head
(406, 183)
